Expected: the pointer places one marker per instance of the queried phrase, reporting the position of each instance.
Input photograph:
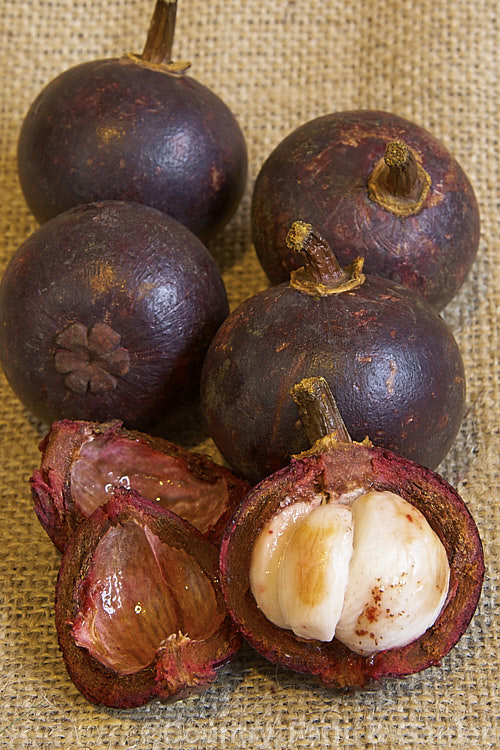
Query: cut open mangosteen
(139, 611)
(335, 472)
(83, 461)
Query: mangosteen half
(392, 363)
(82, 462)
(106, 312)
(138, 610)
(374, 185)
(351, 564)
(134, 128)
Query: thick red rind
(98, 683)
(51, 483)
(333, 664)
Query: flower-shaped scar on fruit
(351, 563)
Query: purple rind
(319, 174)
(121, 129)
(392, 364)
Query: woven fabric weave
(277, 65)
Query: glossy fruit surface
(392, 364)
(330, 472)
(333, 173)
(82, 462)
(139, 611)
(106, 313)
(133, 128)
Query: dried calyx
(159, 42)
(364, 567)
(320, 273)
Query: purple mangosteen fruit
(139, 611)
(392, 363)
(82, 462)
(106, 312)
(351, 564)
(374, 185)
(134, 128)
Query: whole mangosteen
(391, 361)
(134, 128)
(374, 185)
(106, 312)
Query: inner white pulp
(367, 570)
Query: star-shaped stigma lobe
(91, 357)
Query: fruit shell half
(52, 491)
(100, 684)
(343, 469)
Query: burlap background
(277, 65)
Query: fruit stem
(160, 39)
(401, 175)
(398, 182)
(319, 411)
(319, 261)
(320, 273)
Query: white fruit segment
(371, 573)
(314, 570)
(398, 578)
(266, 556)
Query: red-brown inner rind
(82, 461)
(199, 659)
(142, 595)
(346, 468)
